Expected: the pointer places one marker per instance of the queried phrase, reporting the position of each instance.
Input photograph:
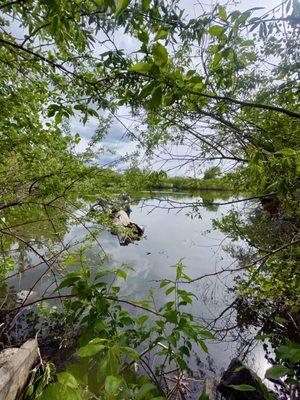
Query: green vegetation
(111, 336)
(148, 180)
(224, 85)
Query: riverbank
(150, 181)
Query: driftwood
(28, 295)
(15, 366)
(112, 206)
(127, 231)
(210, 388)
(119, 211)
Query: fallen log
(15, 366)
(126, 230)
(210, 388)
(119, 211)
(111, 206)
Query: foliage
(287, 372)
(212, 172)
(111, 337)
(268, 297)
(137, 179)
(234, 101)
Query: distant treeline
(153, 180)
(108, 182)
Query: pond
(172, 235)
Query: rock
(239, 374)
(15, 366)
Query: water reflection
(170, 235)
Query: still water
(172, 235)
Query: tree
(235, 101)
(212, 172)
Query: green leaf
(243, 388)
(141, 320)
(67, 379)
(203, 346)
(121, 7)
(164, 283)
(69, 281)
(80, 371)
(109, 3)
(248, 43)
(206, 334)
(291, 352)
(288, 6)
(66, 388)
(130, 352)
(113, 360)
(90, 350)
(145, 389)
(112, 384)
(171, 316)
(254, 26)
(243, 18)
(156, 98)
(263, 31)
(287, 152)
(55, 25)
(217, 59)
(142, 67)
(58, 391)
(222, 13)
(147, 90)
(92, 112)
(172, 340)
(160, 54)
(261, 337)
(143, 36)
(185, 350)
(216, 30)
(277, 371)
(203, 397)
(170, 290)
(196, 79)
(122, 274)
(161, 34)
(241, 368)
(145, 4)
